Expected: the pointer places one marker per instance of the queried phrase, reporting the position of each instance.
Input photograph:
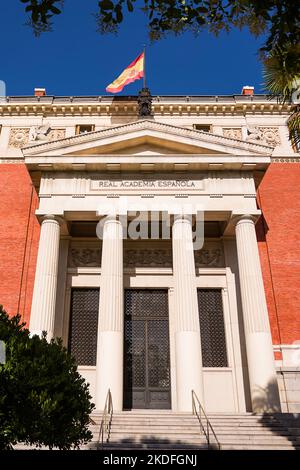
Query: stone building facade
(153, 318)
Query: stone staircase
(166, 430)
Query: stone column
(111, 321)
(260, 355)
(187, 330)
(45, 285)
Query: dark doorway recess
(146, 349)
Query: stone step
(184, 436)
(167, 430)
(155, 446)
(193, 422)
(258, 447)
(171, 417)
(294, 431)
(196, 430)
(181, 436)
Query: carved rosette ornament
(265, 135)
(18, 137)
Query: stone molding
(107, 106)
(166, 129)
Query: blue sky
(76, 60)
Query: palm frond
(293, 123)
(279, 72)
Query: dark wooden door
(146, 349)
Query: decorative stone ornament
(144, 103)
(18, 137)
(267, 135)
(233, 132)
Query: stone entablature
(106, 184)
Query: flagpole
(144, 65)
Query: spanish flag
(133, 72)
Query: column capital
(244, 218)
(52, 218)
(112, 218)
(182, 218)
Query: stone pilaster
(111, 313)
(45, 286)
(260, 355)
(187, 335)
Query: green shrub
(43, 399)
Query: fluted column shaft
(260, 355)
(187, 335)
(111, 313)
(45, 285)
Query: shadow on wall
(281, 424)
(266, 400)
(262, 229)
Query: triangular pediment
(146, 137)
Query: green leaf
(129, 6)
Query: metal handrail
(105, 424)
(207, 428)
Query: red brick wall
(19, 235)
(279, 245)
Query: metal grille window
(212, 328)
(84, 326)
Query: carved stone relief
(45, 133)
(211, 255)
(233, 132)
(148, 258)
(18, 137)
(265, 135)
(84, 257)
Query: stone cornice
(127, 105)
(150, 125)
(295, 159)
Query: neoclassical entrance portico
(150, 167)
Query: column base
(262, 373)
(188, 369)
(109, 373)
